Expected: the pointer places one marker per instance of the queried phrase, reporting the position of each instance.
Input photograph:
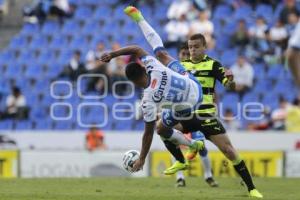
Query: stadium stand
(38, 54)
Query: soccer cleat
(134, 13)
(180, 182)
(194, 149)
(177, 166)
(211, 182)
(255, 193)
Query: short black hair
(183, 46)
(16, 90)
(77, 52)
(134, 71)
(198, 36)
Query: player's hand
(138, 165)
(229, 74)
(106, 57)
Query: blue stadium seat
(275, 72)
(26, 56)
(45, 57)
(83, 13)
(70, 28)
(23, 125)
(222, 11)
(229, 28)
(91, 27)
(13, 70)
(61, 89)
(262, 86)
(33, 71)
(223, 43)
(63, 125)
(229, 57)
(123, 125)
(50, 27)
(53, 70)
(47, 100)
(39, 42)
(250, 97)
(231, 101)
(266, 11)
(271, 100)
(102, 12)
(44, 124)
(259, 71)
(7, 56)
(38, 112)
(18, 42)
(29, 29)
(6, 124)
(4, 86)
(139, 125)
(78, 43)
(58, 42)
(61, 111)
(243, 12)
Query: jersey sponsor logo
(153, 84)
(158, 95)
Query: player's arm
(146, 144)
(223, 75)
(129, 50)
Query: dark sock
(175, 151)
(242, 170)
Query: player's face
(196, 48)
(184, 54)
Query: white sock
(207, 167)
(179, 175)
(178, 138)
(150, 34)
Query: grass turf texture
(142, 189)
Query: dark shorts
(206, 123)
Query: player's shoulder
(148, 59)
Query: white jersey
(167, 89)
(294, 40)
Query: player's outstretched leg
(223, 143)
(150, 34)
(134, 13)
(180, 163)
(176, 137)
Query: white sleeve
(90, 56)
(9, 101)
(21, 101)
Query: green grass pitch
(142, 189)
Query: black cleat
(211, 182)
(180, 183)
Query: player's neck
(197, 59)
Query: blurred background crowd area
(59, 40)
